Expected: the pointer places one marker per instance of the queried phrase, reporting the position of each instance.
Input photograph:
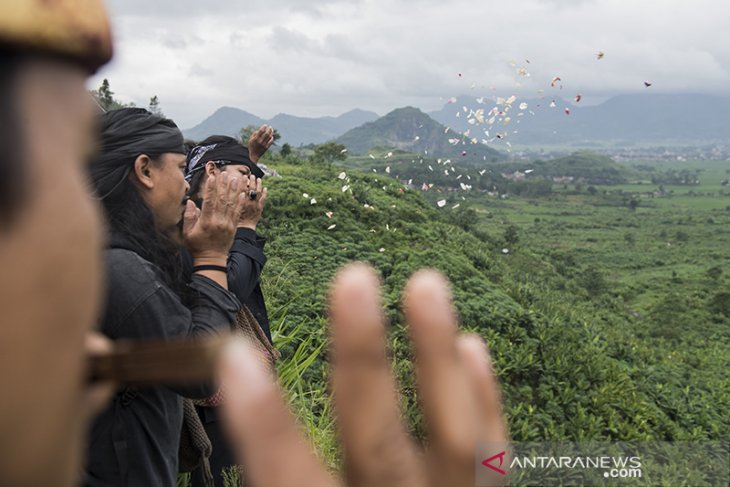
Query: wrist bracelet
(220, 268)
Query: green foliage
(511, 235)
(585, 167)
(714, 273)
(328, 153)
(683, 177)
(285, 150)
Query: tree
(714, 273)
(105, 97)
(511, 235)
(154, 106)
(329, 152)
(593, 281)
(466, 218)
(285, 150)
(681, 236)
(720, 304)
(633, 204)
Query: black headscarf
(224, 151)
(125, 134)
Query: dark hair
(127, 214)
(199, 177)
(12, 156)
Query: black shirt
(245, 262)
(134, 441)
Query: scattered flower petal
(441, 203)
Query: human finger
(241, 202)
(261, 427)
(232, 194)
(221, 192)
(491, 431)
(191, 215)
(448, 401)
(210, 196)
(377, 449)
(256, 134)
(478, 364)
(264, 194)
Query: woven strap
(195, 447)
(248, 327)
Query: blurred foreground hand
(459, 395)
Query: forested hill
(409, 129)
(572, 366)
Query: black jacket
(246, 260)
(134, 441)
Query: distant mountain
(409, 129)
(294, 130)
(625, 119)
(224, 121)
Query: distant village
(715, 152)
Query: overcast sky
(327, 57)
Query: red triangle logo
(488, 462)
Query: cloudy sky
(327, 57)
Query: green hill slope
(409, 129)
(571, 369)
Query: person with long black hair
(138, 176)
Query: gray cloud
(326, 58)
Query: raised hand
(259, 142)
(459, 395)
(209, 232)
(254, 204)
